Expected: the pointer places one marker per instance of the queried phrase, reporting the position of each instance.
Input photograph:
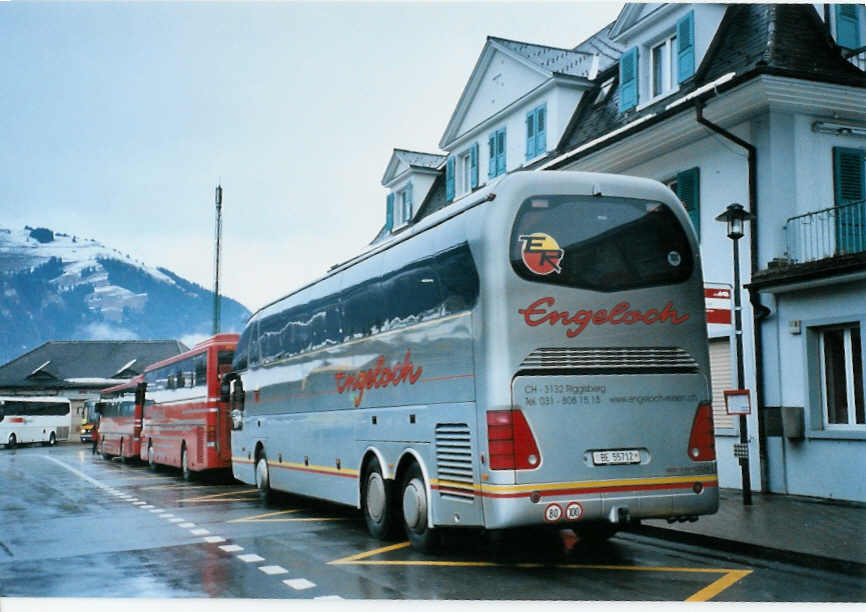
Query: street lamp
(735, 216)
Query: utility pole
(216, 284)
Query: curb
(769, 553)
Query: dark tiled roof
(84, 359)
(781, 39)
(552, 59)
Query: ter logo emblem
(541, 253)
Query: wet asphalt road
(74, 525)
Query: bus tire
(593, 535)
(151, 462)
(263, 479)
(184, 464)
(376, 501)
(122, 457)
(13, 441)
(52, 439)
(415, 506)
(105, 455)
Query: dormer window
(403, 213)
(461, 172)
(663, 67)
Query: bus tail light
(702, 446)
(510, 441)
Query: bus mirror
(140, 390)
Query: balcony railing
(840, 230)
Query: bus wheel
(105, 455)
(122, 458)
(13, 441)
(376, 501)
(52, 439)
(414, 496)
(151, 463)
(263, 479)
(184, 464)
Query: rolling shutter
(721, 379)
(540, 130)
(686, 46)
(530, 135)
(628, 80)
(491, 165)
(849, 180)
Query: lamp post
(735, 216)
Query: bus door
(138, 413)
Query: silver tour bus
(536, 354)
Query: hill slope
(59, 287)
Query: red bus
(119, 411)
(185, 424)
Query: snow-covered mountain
(54, 286)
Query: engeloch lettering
(541, 311)
(377, 377)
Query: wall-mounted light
(838, 129)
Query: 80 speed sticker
(552, 513)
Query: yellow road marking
(364, 555)
(730, 576)
(172, 486)
(222, 497)
(263, 518)
(708, 592)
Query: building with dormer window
(758, 104)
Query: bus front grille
(626, 360)
(454, 461)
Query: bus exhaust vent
(637, 360)
(454, 461)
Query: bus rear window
(599, 243)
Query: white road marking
(167, 516)
(176, 520)
(186, 525)
(199, 531)
(214, 539)
(250, 558)
(272, 570)
(156, 509)
(231, 548)
(299, 584)
(139, 503)
(147, 507)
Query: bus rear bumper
(616, 507)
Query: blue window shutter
(849, 175)
(389, 212)
(410, 203)
(628, 80)
(541, 129)
(686, 46)
(449, 179)
(689, 193)
(530, 135)
(500, 152)
(473, 162)
(491, 165)
(848, 26)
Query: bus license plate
(615, 457)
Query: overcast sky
(118, 120)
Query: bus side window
(254, 346)
(413, 293)
(201, 371)
(459, 277)
(363, 310)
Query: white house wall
(824, 464)
(494, 94)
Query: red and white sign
(718, 305)
(573, 511)
(553, 513)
